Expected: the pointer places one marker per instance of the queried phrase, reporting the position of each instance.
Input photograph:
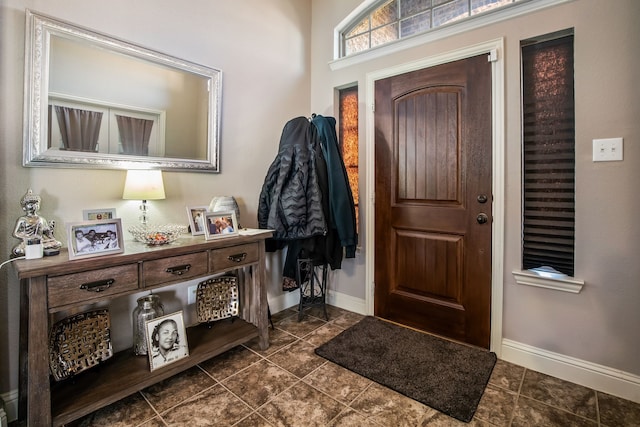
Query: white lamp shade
(143, 185)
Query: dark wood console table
(53, 284)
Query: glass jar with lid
(149, 307)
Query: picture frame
(94, 214)
(94, 238)
(196, 219)
(220, 224)
(166, 340)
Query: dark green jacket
(342, 209)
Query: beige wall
(262, 48)
(598, 325)
(274, 59)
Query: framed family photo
(95, 238)
(196, 219)
(220, 224)
(166, 340)
(93, 214)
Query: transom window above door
(385, 21)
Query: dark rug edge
(468, 418)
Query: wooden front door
(433, 199)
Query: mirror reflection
(94, 101)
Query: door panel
(433, 159)
(428, 152)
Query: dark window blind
(549, 155)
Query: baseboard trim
(592, 375)
(340, 300)
(347, 302)
(10, 399)
(284, 301)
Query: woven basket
(79, 342)
(217, 299)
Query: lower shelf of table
(126, 373)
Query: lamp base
(144, 213)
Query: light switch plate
(607, 150)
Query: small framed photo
(220, 224)
(95, 238)
(196, 219)
(93, 214)
(166, 340)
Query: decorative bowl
(156, 234)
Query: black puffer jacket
(290, 195)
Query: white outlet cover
(191, 294)
(607, 150)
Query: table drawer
(83, 287)
(174, 268)
(228, 258)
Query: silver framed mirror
(94, 101)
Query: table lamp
(143, 185)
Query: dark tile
(277, 317)
(277, 340)
(178, 388)
(507, 375)
(155, 422)
(259, 383)
(213, 407)
(496, 406)
(253, 420)
(529, 412)
(350, 418)
(347, 319)
(300, 329)
(323, 334)
(230, 362)
(438, 419)
(561, 394)
(301, 405)
(615, 411)
(338, 382)
(318, 312)
(130, 411)
(298, 358)
(388, 408)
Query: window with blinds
(548, 153)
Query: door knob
(482, 218)
(482, 198)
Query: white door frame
(495, 54)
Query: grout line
(597, 408)
(153, 408)
(518, 394)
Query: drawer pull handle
(98, 286)
(178, 270)
(237, 257)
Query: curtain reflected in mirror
(134, 135)
(79, 129)
(74, 67)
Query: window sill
(569, 284)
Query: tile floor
(288, 385)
